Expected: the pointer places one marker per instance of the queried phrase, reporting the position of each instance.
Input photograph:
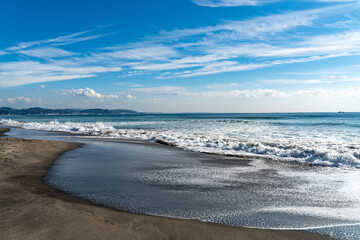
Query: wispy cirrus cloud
(46, 52)
(341, 43)
(312, 49)
(61, 40)
(240, 3)
(147, 52)
(250, 29)
(216, 67)
(230, 3)
(48, 62)
(334, 1)
(230, 46)
(132, 73)
(26, 72)
(217, 49)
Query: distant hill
(66, 111)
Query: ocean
(328, 139)
(278, 170)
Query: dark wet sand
(29, 209)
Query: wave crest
(317, 153)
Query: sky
(181, 55)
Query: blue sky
(181, 55)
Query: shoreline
(31, 209)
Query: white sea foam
(349, 214)
(318, 151)
(204, 176)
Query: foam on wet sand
(30, 209)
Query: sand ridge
(29, 209)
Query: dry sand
(30, 209)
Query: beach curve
(32, 210)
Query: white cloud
(245, 93)
(185, 62)
(313, 49)
(258, 93)
(41, 87)
(62, 40)
(295, 81)
(343, 78)
(17, 99)
(11, 100)
(132, 73)
(237, 3)
(230, 3)
(26, 72)
(335, 1)
(152, 52)
(220, 45)
(129, 96)
(162, 90)
(329, 44)
(182, 91)
(252, 28)
(351, 92)
(222, 85)
(46, 52)
(87, 92)
(230, 46)
(217, 67)
(344, 43)
(163, 66)
(325, 79)
(55, 64)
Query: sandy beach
(30, 209)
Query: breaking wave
(325, 153)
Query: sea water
(303, 172)
(329, 139)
